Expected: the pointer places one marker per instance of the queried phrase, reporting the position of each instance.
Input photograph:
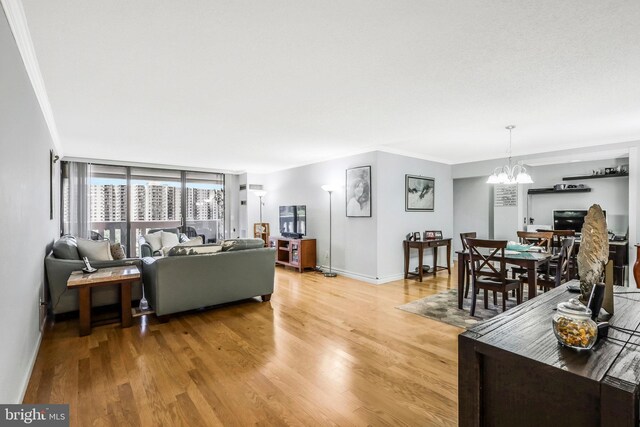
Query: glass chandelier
(508, 174)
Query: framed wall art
(358, 192)
(419, 193)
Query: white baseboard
(364, 278)
(32, 363)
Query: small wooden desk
(420, 246)
(83, 282)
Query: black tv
(570, 219)
(293, 221)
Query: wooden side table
(420, 245)
(83, 282)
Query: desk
(420, 246)
(529, 260)
(513, 372)
(83, 282)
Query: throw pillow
(95, 250)
(231, 245)
(66, 247)
(154, 240)
(181, 250)
(117, 251)
(196, 241)
(169, 239)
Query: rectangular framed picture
(358, 192)
(429, 235)
(419, 193)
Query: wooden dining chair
(465, 247)
(541, 239)
(561, 273)
(489, 271)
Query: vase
(636, 267)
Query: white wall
(612, 194)
(354, 239)
(394, 222)
(24, 219)
(366, 248)
(472, 208)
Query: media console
(296, 253)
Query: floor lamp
(329, 189)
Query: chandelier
(508, 174)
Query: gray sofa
(179, 283)
(59, 269)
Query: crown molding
(18, 23)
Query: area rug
(443, 307)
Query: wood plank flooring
(323, 351)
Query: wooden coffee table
(83, 282)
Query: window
(122, 203)
(204, 206)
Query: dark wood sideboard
(513, 372)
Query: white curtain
(79, 216)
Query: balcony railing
(212, 230)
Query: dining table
(525, 259)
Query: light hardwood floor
(322, 352)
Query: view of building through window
(154, 199)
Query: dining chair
(561, 273)
(465, 247)
(489, 271)
(540, 239)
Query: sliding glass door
(122, 203)
(108, 203)
(156, 201)
(204, 206)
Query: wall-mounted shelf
(533, 191)
(611, 175)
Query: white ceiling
(265, 85)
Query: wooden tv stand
(296, 253)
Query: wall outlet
(326, 256)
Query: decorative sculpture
(594, 250)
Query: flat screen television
(293, 221)
(570, 219)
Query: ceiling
(266, 85)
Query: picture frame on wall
(358, 192)
(52, 160)
(419, 193)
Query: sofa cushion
(117, 251)
(154, 240)
(95, 250)
(241, 244)
(181, 250)
(169, 240)
(66, 247)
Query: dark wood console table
(513, 372)
(420, 246)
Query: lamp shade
(329, 188)
(260, 193)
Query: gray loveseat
(179, 283)
(59, 269)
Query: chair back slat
(464, 236)
(485, 255)
(541, 239)
(566, 251)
